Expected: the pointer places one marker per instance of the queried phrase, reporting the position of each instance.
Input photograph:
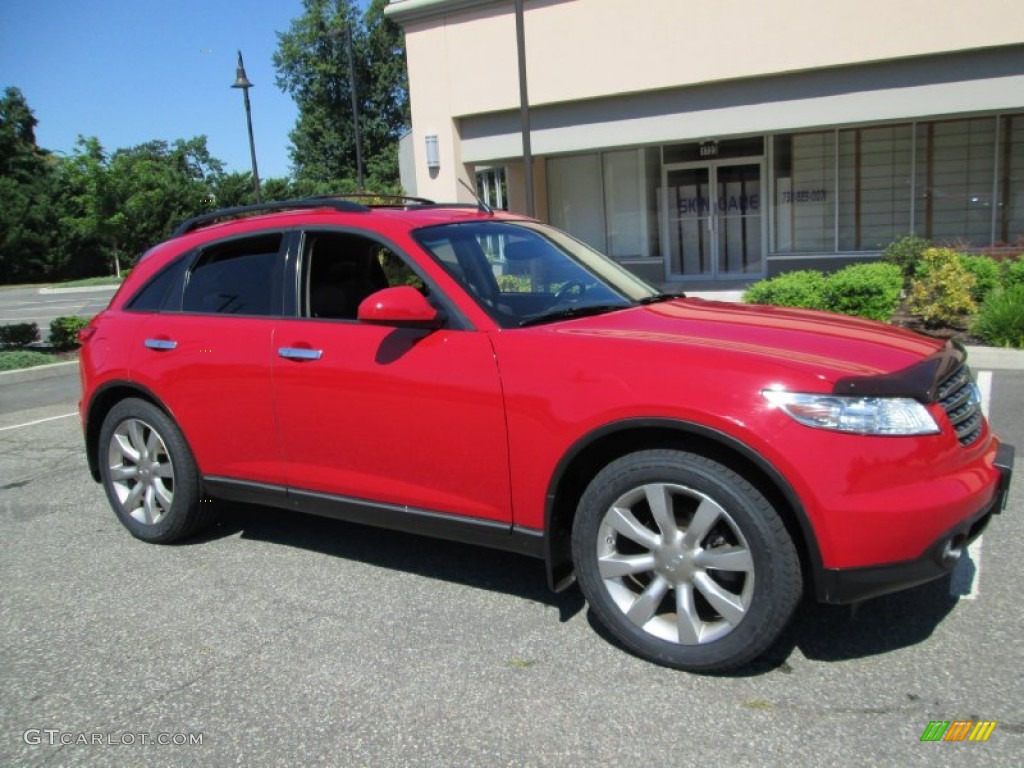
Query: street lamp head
(241, 81)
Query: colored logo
(958, 730)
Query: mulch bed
(960, 333)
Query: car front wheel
(149, 474)
(684, 561)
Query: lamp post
(524, 109)
(355, 105)
(353, 92)
(241, 81)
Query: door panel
(213, 374)
(206, 350)
(401, 416)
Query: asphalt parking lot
(288, 640)
(40, 305)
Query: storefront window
(492, 187)
(630, 179)
(1010, 224)
(608, 200)
(575, 197)
(954, 180)
(804, 194)
(875, 171)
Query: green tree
(386, 108)
(91, 223)
(158, 185)
(312, 66)
(234, 189)
(117, 206)
(27, 191)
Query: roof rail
(372, 199)
(346, 206)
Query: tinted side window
(162, 292)
(239, 278)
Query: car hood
(824, 345)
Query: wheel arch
(103, 400)
(607, 443)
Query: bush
(865, 290)
(906, 253)
(1013, 272)
(64, 331)
(803, 288)
(986, 275)
(15, 359)
(514, 283)
(941, 293)
(1000, 321)
(18, 334)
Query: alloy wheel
(675, 563)
(141, 471)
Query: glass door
(738, 220)
(713, 216)
(688, 215)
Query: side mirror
(401, 306)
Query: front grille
(959, 399)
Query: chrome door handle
(298, 353)
(160, 344)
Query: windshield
(524, 273)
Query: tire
(683, 561)
(149, 473)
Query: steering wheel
(562, 294)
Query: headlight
(860, 415)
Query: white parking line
(966, 581)
(38, 421)
(984, 381)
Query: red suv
(482, 377)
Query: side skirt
(469, 530)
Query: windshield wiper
(570, 312)
(660, 297)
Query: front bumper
(850, 585)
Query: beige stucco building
(727, 140)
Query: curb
(997, 358)
(80, 289)
(37, 372)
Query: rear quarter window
(162, 292)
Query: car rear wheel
(684, 561)
(149, 474)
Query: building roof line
(404, 11)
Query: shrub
(1013, 272)
(1000, 320)
(804, 288)
(514, 283)
(941, 293)
(18, 334)
(14, 359)
(906, 253)
(64, 331)
(986, 275)
(865, 290)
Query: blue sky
(129, 71)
